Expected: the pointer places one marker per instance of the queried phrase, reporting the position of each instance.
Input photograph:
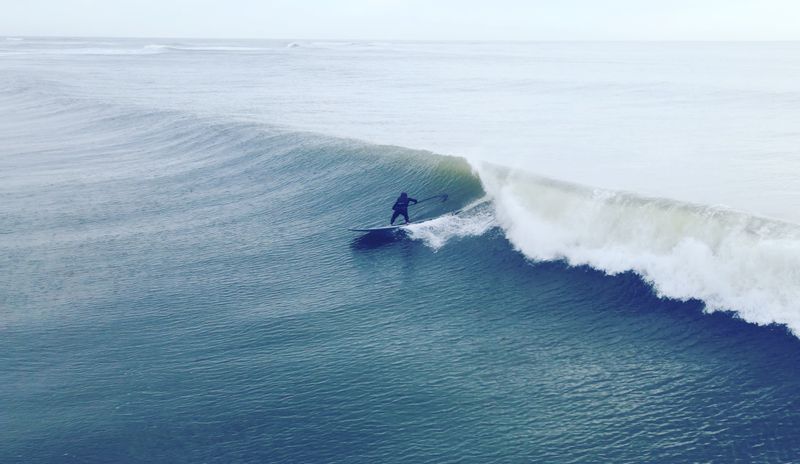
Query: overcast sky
(408, 19)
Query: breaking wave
(730, 260)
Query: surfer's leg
(405, 216)
(394, 216)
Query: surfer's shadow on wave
(378, 240)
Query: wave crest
(730, 260)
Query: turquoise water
(181, 287)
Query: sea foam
(730, 260)
(473, 220)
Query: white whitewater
(730, 260)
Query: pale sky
(408, 19)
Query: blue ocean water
(179, 285)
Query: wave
(83, 51)
(73, 48)
(729, 260)
(203, 48)
(76, 47)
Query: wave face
(730, 260)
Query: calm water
(178, 284)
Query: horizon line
(460, 40)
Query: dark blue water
(183, 289)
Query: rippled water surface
(178, 285)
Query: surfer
(401, 207)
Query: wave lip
(729, 260)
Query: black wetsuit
(401, 208)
